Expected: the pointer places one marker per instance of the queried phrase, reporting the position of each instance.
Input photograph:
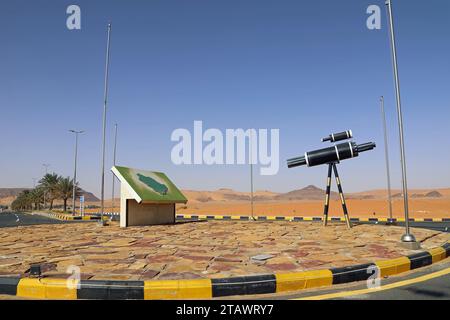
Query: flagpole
(114, 162)
(104, 124)
(407, 237)
(386, 155)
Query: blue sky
(308, 68)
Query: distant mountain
(433, 194)
(89, 196)
(308, 193)
(224, 195)
(11, 192)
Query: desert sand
(309, 201)
(423, 208)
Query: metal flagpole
(114, 162)
(104, 124)
(251, 174)
(407, 237)
(386, 153)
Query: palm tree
(65, 190)
(49, 183)
(23, 201)
(37, 197)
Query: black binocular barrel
(339, 136)
(365, 147)
(336, 153)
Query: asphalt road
(428, 283)
(433, 289)
(12, 219)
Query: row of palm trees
(50, 188)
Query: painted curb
(68, 217)
(47, 288)
(191, 217)
(188, 217)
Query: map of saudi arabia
(149, 186)
(153, 184)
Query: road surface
(13, 219)
(428, 283)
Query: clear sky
(308, 68)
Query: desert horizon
(308, 201)
(310, 192)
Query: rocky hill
(308, 193)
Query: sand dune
(307, 193)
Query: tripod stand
(332, 166)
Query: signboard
(82, 205)
(149, 186)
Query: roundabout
(206, 259)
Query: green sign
(149, 186)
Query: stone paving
(198, 249)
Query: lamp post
(114, 162)
(46, 165)
(408, 239)
(386, 154)
(105, 100)
(75, 170)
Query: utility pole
(114, 162)
(386, 154)
(407, 239)
(105, 100)
(74, 188)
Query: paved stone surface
(198, 249)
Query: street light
(105, 100)
(75, 169)
(46, 165)
(408, 239)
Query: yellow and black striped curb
(283, 218)
(68, 217)
(194, 217)
(46, 288)
(182, 217)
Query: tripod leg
(341, 194)
(327, 197)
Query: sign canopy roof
(149, 186)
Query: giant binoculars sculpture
(332, 156)
(335, 154)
